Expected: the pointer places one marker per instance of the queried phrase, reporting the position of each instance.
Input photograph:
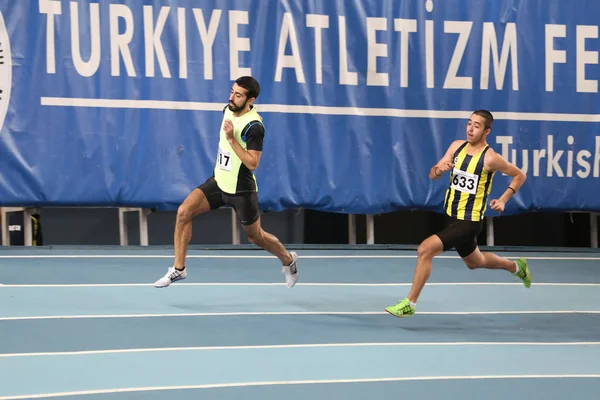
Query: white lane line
(297, 346)
(287, 313)
(309, 284)
(298, 382)
(396, 256)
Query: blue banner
(118, 102)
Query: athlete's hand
(228, 128)
(444, 167)
(497, 205)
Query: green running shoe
(402, 309)
(523, 272)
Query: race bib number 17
(464, 181)
(224, 160)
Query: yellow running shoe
(523, 272)
(402, 309)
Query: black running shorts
(460, 235)
(244, 204)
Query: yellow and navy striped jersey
(469, 186)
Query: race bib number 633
(464, 181)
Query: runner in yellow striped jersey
(472, 164)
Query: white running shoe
(291, 271)
(172, 275)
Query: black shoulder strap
(462, 146)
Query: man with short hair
(233, 183)
(473, 164)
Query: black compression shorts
(461, 235)
(244, 204)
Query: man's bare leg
(258, 236)
(194, 205)
(518, 268)
(477, 259)
(271, 243)
(429, 248)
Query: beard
(233, 108)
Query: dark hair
(485, 114)
(250, 84)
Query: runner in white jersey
(233, 183)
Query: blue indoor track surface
(78, 324)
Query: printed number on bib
(224, 160)
(464, 181)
